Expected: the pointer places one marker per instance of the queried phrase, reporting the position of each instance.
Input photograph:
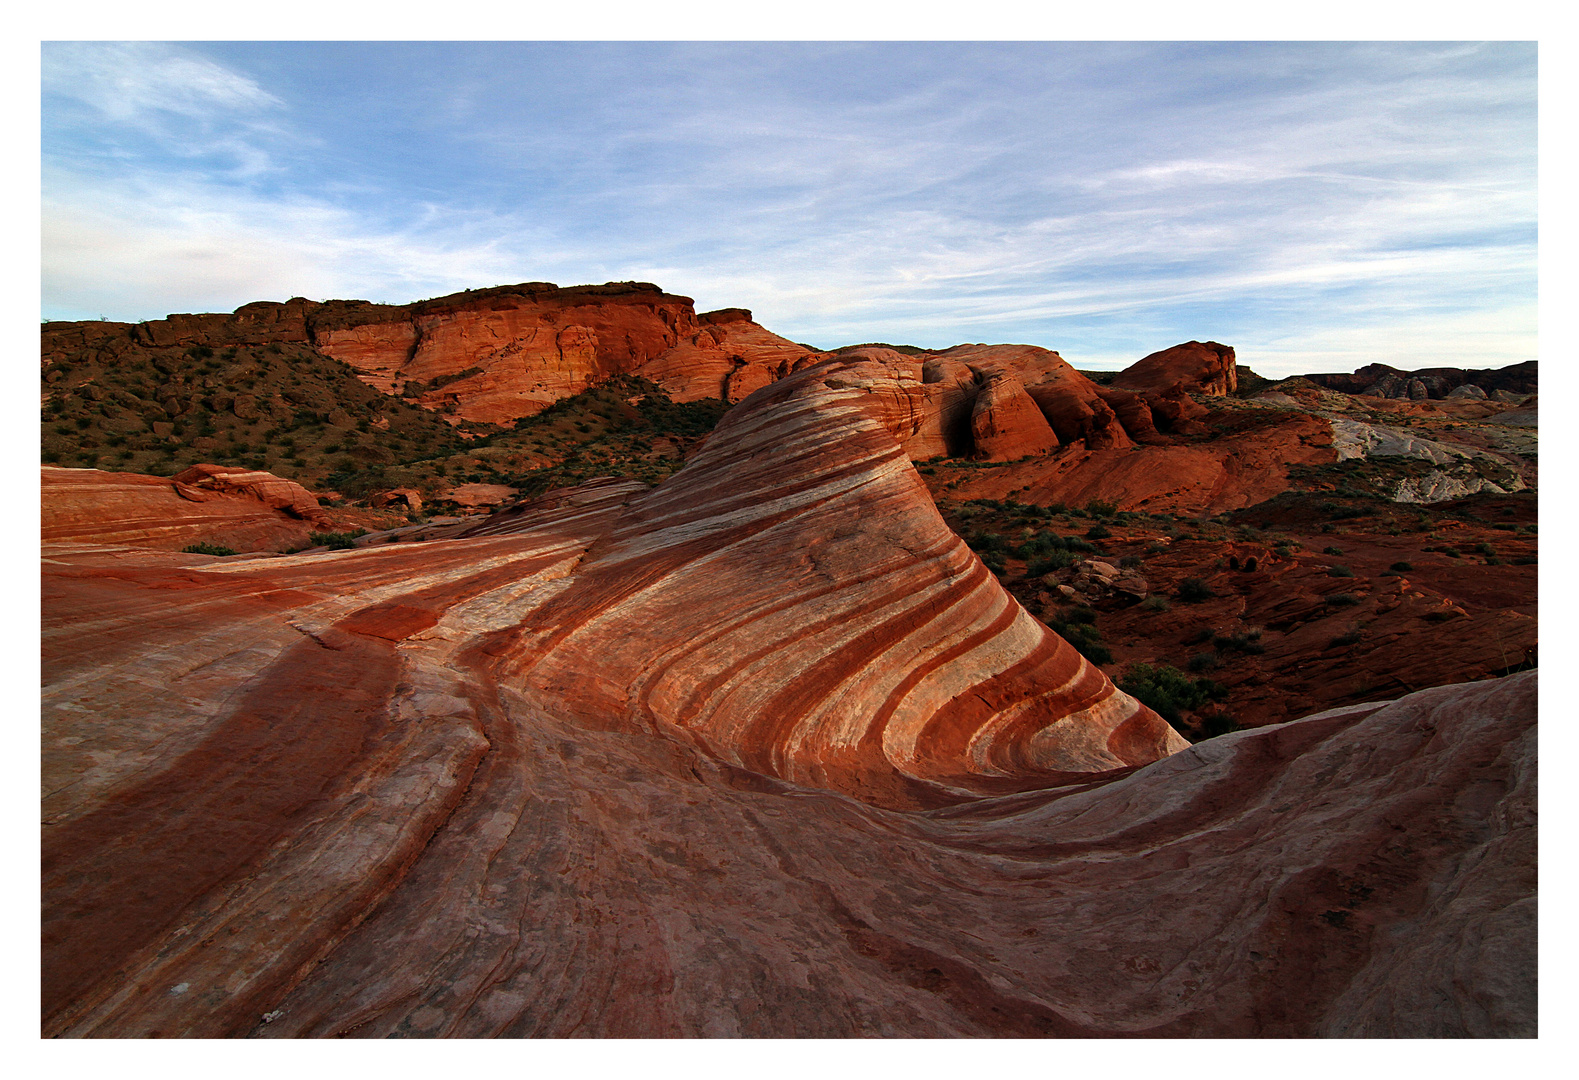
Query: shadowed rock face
(763, 751)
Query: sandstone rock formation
(242, 509)
(474, 497)
(495, 355)
(1382, 380)
(201, 483)
(764, 751)
(1006, 424)
(1194, 367)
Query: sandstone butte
(495, 355)
(764, 751)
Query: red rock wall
(533, 346)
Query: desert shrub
(208, 549)
(1401, 566)
(1193, 590)
(1101, 508)
(1167, 690)
(1343, 599)
(1204, 661)
(1046, 564)
(1155, 603)
(1085, 637)
(336, 541)
(1332, 551)
(1130, 562)
(1098, 532)
(1245, 641)
(1452, 553)
(1339, 571)
(1485, 549)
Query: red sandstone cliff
(495, 355)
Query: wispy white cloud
(1104, 200)
(135, 82)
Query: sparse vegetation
(208, 549)
(1167, 690)
(336, 541)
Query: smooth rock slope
(762, 751)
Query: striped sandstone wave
(761, 752)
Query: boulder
(410, 498)
(1199, 367)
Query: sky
(1318, 206)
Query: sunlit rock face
(1197, 367)
(764, 751)
(501, 354)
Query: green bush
(1339, 571)
(1167, 690)
(1193, 590)
(1332, 551)
(336, 541)
(1155, 603)
(208, 549)
(1203, 661)
(1401, 566)
(1098, 532)
(1078, 627)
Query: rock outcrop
(242, 509)
(495, 355)
(1196, 367)
(764, 751)
(500, 785)
(1006, 424)
(501, 354)
(1385, 381)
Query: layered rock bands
(762, 751)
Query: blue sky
(1318, 206)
